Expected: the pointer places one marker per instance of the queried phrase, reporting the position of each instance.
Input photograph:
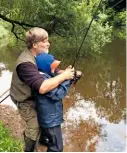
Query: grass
(7, 142)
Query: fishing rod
(117, 3)
(4, 93)
(5, 98)
(77, 55)
(76, 78)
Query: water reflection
(81, 130)
(85, 130)
(5, 78)
(100, 97)
(5, 82)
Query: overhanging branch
(13, 31)
(22, 24)
(13, 22)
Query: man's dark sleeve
(28, 73)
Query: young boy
(49, 105)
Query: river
(95, 108)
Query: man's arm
(52, 83)
(29, 74)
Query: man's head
(46, 63)
(37, 40)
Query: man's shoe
(29, 144)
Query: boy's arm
(59, 92)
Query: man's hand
(69, 67)
(69, 73)
(77, 76)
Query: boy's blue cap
(44, 62)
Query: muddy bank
(12, 120)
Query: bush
(7, 143)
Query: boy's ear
(52, 70)
(35, 45)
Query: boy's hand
(78, 74)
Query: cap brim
(55, 64)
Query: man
(27, 77)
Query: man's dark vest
(20, 91)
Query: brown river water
(95, 108)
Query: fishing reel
(76, 77)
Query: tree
(68, 19)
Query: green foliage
(119, 24)
(97, 37)
(68, 18)
(7, 143)
(4, 38)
